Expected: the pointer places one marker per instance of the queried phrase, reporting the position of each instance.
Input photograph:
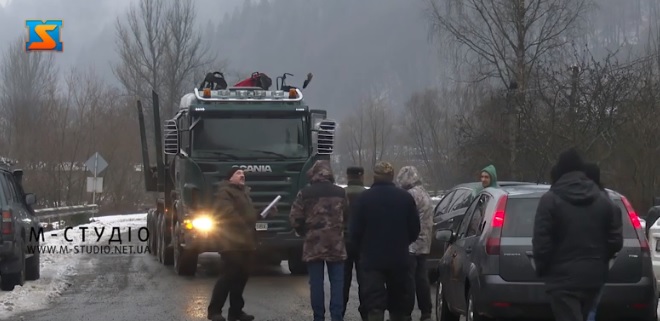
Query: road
(137, 287)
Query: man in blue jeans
(319, 214)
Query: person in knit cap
(383, 224)
(577, 230)
(236, 214)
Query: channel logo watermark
(90, 240)
(91, 249)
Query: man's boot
(376, 315)
(394, 317)
(240, 317)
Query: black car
(488, 272)
(448, 214)
(19, 255)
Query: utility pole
(96, 170)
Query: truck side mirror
(171, 143)
(325, 136)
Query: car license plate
(262, 226)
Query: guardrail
(58, 212)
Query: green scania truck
(272, 135)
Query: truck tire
(159, 254)
(10, 280)
(153, 234)
(185, 261)
(165, 253)
(296, 265)
(32, 267)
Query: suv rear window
(520, 212)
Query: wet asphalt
(137, 287)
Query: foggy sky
(353, 48)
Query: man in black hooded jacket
(576, 234)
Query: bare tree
(367, 134)
(26, 81)
(141, 43)
(186, 54)
(161, 48)
(351, 138)
(429, 131)
(509, 39)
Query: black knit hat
(569, 161)
(592, 171)
(354, 171)
(231, 172)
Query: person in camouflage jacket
(317, 214)
(409, 179)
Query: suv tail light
(493, 241)
(637, 225)
(7, 226)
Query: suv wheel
(442, 312)
(32, 267)
(10, 280)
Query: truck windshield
(250, 137)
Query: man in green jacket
(354, 187)
(235, 211)
(488, 179)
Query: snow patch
(57, 268)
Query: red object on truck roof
(256, 80)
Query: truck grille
(264, 188)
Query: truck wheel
(153, 234)
(159, 240)
(10, 280)
(297, 266)
(185, 261)
(166, 253)
(32, 267)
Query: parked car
(448, 213)
(488, 271)
(19, 255)
(654, 244)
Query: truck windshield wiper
(219, 153)
(280, 156)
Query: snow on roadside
(56, 268)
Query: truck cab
(272, 135)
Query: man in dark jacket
(235, 213)
(354, 188)
(576, 233)
(318, 214)
(384, 223)
(592, 171)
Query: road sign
(96, 164)
(94, 184)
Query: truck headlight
(203, 223)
